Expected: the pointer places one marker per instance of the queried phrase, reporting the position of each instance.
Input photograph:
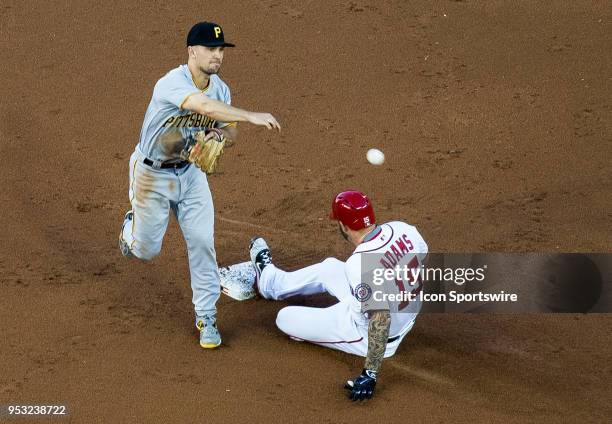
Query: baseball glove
(205, 150)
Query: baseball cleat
(209, 335)
(260, 255)
(123, 245)
(238, 280)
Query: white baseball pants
(341, 326)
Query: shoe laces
(265, 257)
(206, 321)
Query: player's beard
(212, 70)
(344, 233)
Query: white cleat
(238, 280)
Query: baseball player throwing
(187, 121)
(355, 324)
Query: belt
(157, 164)
(392, 339)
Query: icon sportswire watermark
(487, 282)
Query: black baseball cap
(207, 34)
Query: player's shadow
(322, 300)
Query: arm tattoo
(378, 334)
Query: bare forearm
(223, 112)
(220, 111)
(378, 334)
(215, 109)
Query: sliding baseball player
(359, 323)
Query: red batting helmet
(353, 209)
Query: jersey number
(413, 264)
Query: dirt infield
(496, 121)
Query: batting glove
(363, 386)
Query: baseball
(375, 157)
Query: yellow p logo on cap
(217, 32)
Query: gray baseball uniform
(154, 190)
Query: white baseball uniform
(155, 191)
(344, 325)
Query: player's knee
(332, 261)
(332, 265)
(145, 258)
(146, 255)
(284, 320)
(204, 241)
